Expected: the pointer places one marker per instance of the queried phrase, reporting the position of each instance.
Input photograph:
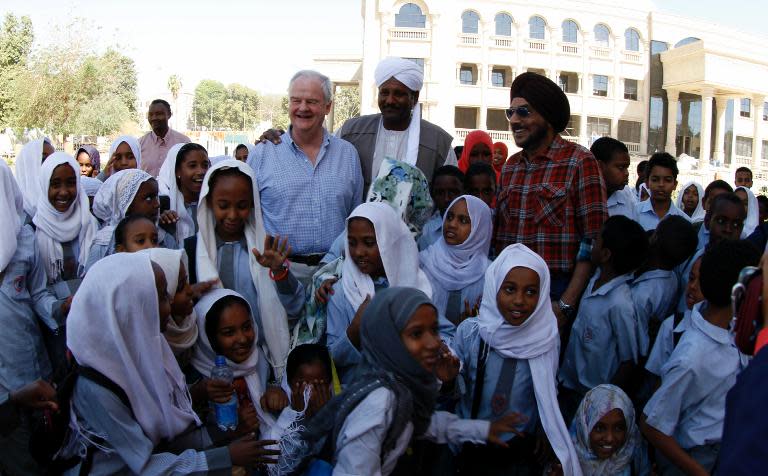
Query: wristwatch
(566, 309)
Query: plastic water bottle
(226, 413)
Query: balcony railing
(469, 39)
(600, 52)
(536, 45)
(500, 135)
(462, 133)
(507, 42)
(742, 160)
(569, 48)
(632, 56)
(633, 147)
(409, 34)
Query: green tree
(16, 37)
(208, 104)
(274, 109)
(174, 86)
(218, 106)
(346, 104)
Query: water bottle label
(226, 415)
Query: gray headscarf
(385, 363)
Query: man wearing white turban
(398, 132)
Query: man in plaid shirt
(552, 197)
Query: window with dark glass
(746, 107)
(630, 89)
(600, 85)
(602, 35)
(410, 16)
(469, 22)
(631, 40)
(498, 77)
(503, 24)
(744, 146)
(570, 31)
(466, 75)
(536, 28)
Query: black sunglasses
(521, 111)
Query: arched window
(536, 28)
(503, 24)
(410, 16)
(602, 35)
(469, 22)
(570, 31)
(631, 40)
(686, 41)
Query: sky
(258, 43)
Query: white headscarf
(204, 357)
(54, 227)
(411, 75)
(168, 185)
(11, 212)
(274, 320)
(114, 327)
(398, 251)
(597, 403)
(90, 185)
(113, 200)
(698, 213)
(457, 266)
(219, 158)
(132, 142)
(753, 213)
(28, 164)
(179, 336)
(537, 340)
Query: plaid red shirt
(551, 203)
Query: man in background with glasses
(551, 195)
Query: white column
(706, 127)
(583, 139)
(757, 141)
(483, 81)
(722, 103)
(672, 97)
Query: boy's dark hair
(729, 197)
(449, 170)
(308, 354)
(458, 150)
(240, 146)
(163, 102)
(663, 159)
(214, 315)
(762, 200)
(186, 149)
(744, 169)
(676, 240)
(716, 185)
(126, 222)
(605, 148)
(642, 167)
(479, 168)
(720, 268)
(228, 172)
(627, 242)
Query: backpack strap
(190, 246)
(677, 335)
(482, 358)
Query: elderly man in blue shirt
(311, 181)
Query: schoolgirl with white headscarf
(268, 303)
(536, 341)
(28, 164)
(111, 205)
(400, 258)
(133, 143)
(74, 228)
(753, 213)
(254, 370)
(114, 328)
(457, 272)
(168, 185)
(631, 457)
(698, 213)
(181, 331)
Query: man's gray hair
(325, 82)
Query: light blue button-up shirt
(623, 202)
(690, 403)
(648, 218)
(604, 335)
(307, 203)
(654, 295)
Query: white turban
(406, 71)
